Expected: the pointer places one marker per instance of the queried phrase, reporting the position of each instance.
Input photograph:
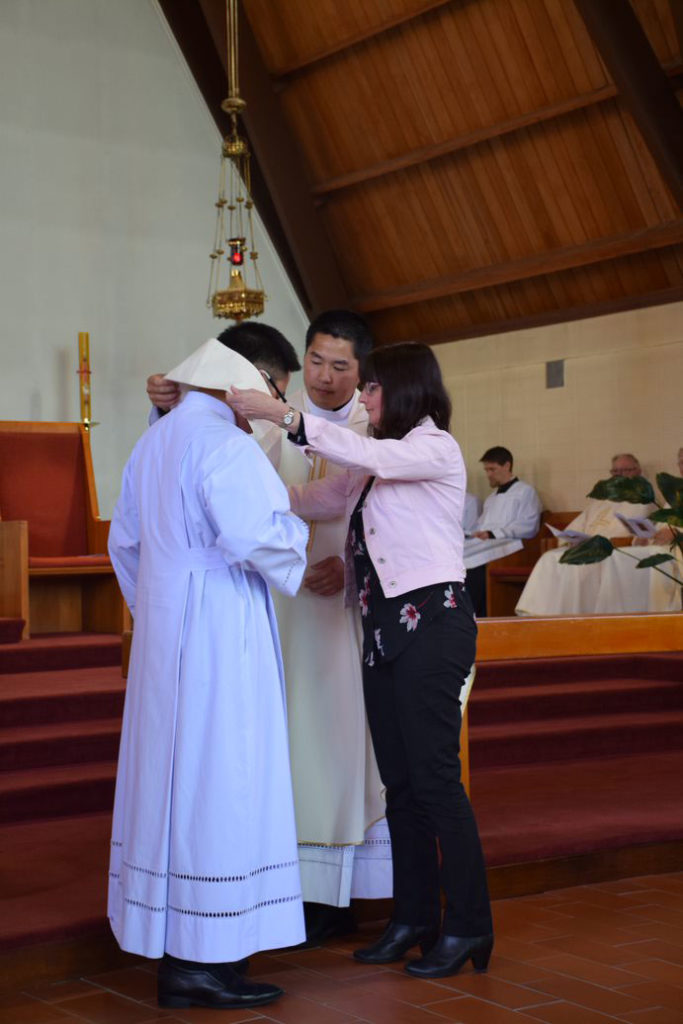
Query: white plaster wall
(623, 387)
(108, 173)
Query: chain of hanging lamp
(234, 206)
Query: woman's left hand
(255, 405)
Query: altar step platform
(576, 764)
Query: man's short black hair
(497, 454)
(263, 345)
(343, 323)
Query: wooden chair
(54, 569)
(506, 577)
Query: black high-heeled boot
(396, 941)
(449, 954)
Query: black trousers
(476, 588)
(413, 710)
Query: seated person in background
(471, 513)
(625, 464)
(512, 513)
(599, 516)
(608, 587)
(664, 534)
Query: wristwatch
(288, 417)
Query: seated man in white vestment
(344, 845)
(511, 514)
(612, 586)
(204, 868)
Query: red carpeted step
(555, 700)
(665, 665)
(10, 630)
(36, 746)
(65, 695)
(574, 738)
(544, 671)
(60, 651)
(537, 812)
(54, 879)
(56, 791)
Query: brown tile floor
(588, 955)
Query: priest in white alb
(613, 586)
(344, 845)
(204, 868)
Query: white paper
(639, 526)
(571, 535)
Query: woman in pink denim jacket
(404, 493)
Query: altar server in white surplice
(511, 514)
(204, 866)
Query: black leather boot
(449, 954)
(396, 941)
(217, 986)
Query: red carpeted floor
(568, 756)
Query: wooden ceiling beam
(289, 70)
(424, 154)
(677, 14)
(283, 170)
(555, 316)
(626, 51)
(539, 264)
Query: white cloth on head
(204, 860)
(511, 516)
(214, 365)
(344, 847)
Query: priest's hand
(161, 392)
(326, 578)
(483, 535)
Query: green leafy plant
(635, 489)
(586, 552)
(638, 491)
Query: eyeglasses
(370, 387)
(273, 385)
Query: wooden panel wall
(474, 162)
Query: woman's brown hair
(412, 388)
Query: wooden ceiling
(460, 167)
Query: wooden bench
(55, 572)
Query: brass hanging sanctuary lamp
(229, 295)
